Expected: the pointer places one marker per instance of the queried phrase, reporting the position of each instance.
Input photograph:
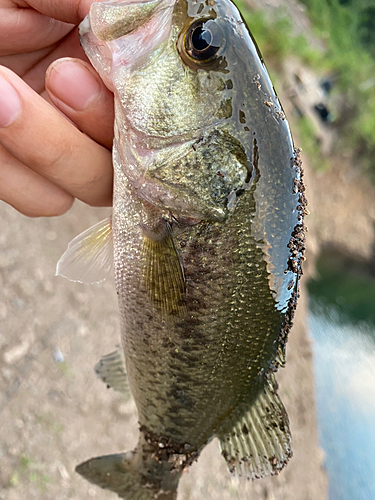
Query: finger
(23, 62)
(77, 90)
(69, 11)
(18, 25)
(43, 139)
(32, 67)
(70, 47)
(29, 192)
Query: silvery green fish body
(208, 237)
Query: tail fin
(124, 474)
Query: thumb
(76, 89)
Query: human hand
(46, 161)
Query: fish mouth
(102, 33)
(84, 27)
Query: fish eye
(202, 40)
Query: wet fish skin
(208, 239)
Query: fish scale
(208, 240)
(209, 352)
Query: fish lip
(84, 26)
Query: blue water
(344, 357)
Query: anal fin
(258, 443)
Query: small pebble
(58, 355)
(17, 352)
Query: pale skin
(56, 115)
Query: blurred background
(54, 413)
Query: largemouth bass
(208, 238)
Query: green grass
(49, 422)
(276, 41)
(346, 57)
(30, 471)
(340, 27)
(347, 286)
(306, 135)
(274, 36)
(66, 369)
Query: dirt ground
(54, 413)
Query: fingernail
(73, 84)
(10, 103)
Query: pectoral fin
(259, 442)
(163, 274)
(111, 370)
(89, 256)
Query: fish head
(187, 104)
